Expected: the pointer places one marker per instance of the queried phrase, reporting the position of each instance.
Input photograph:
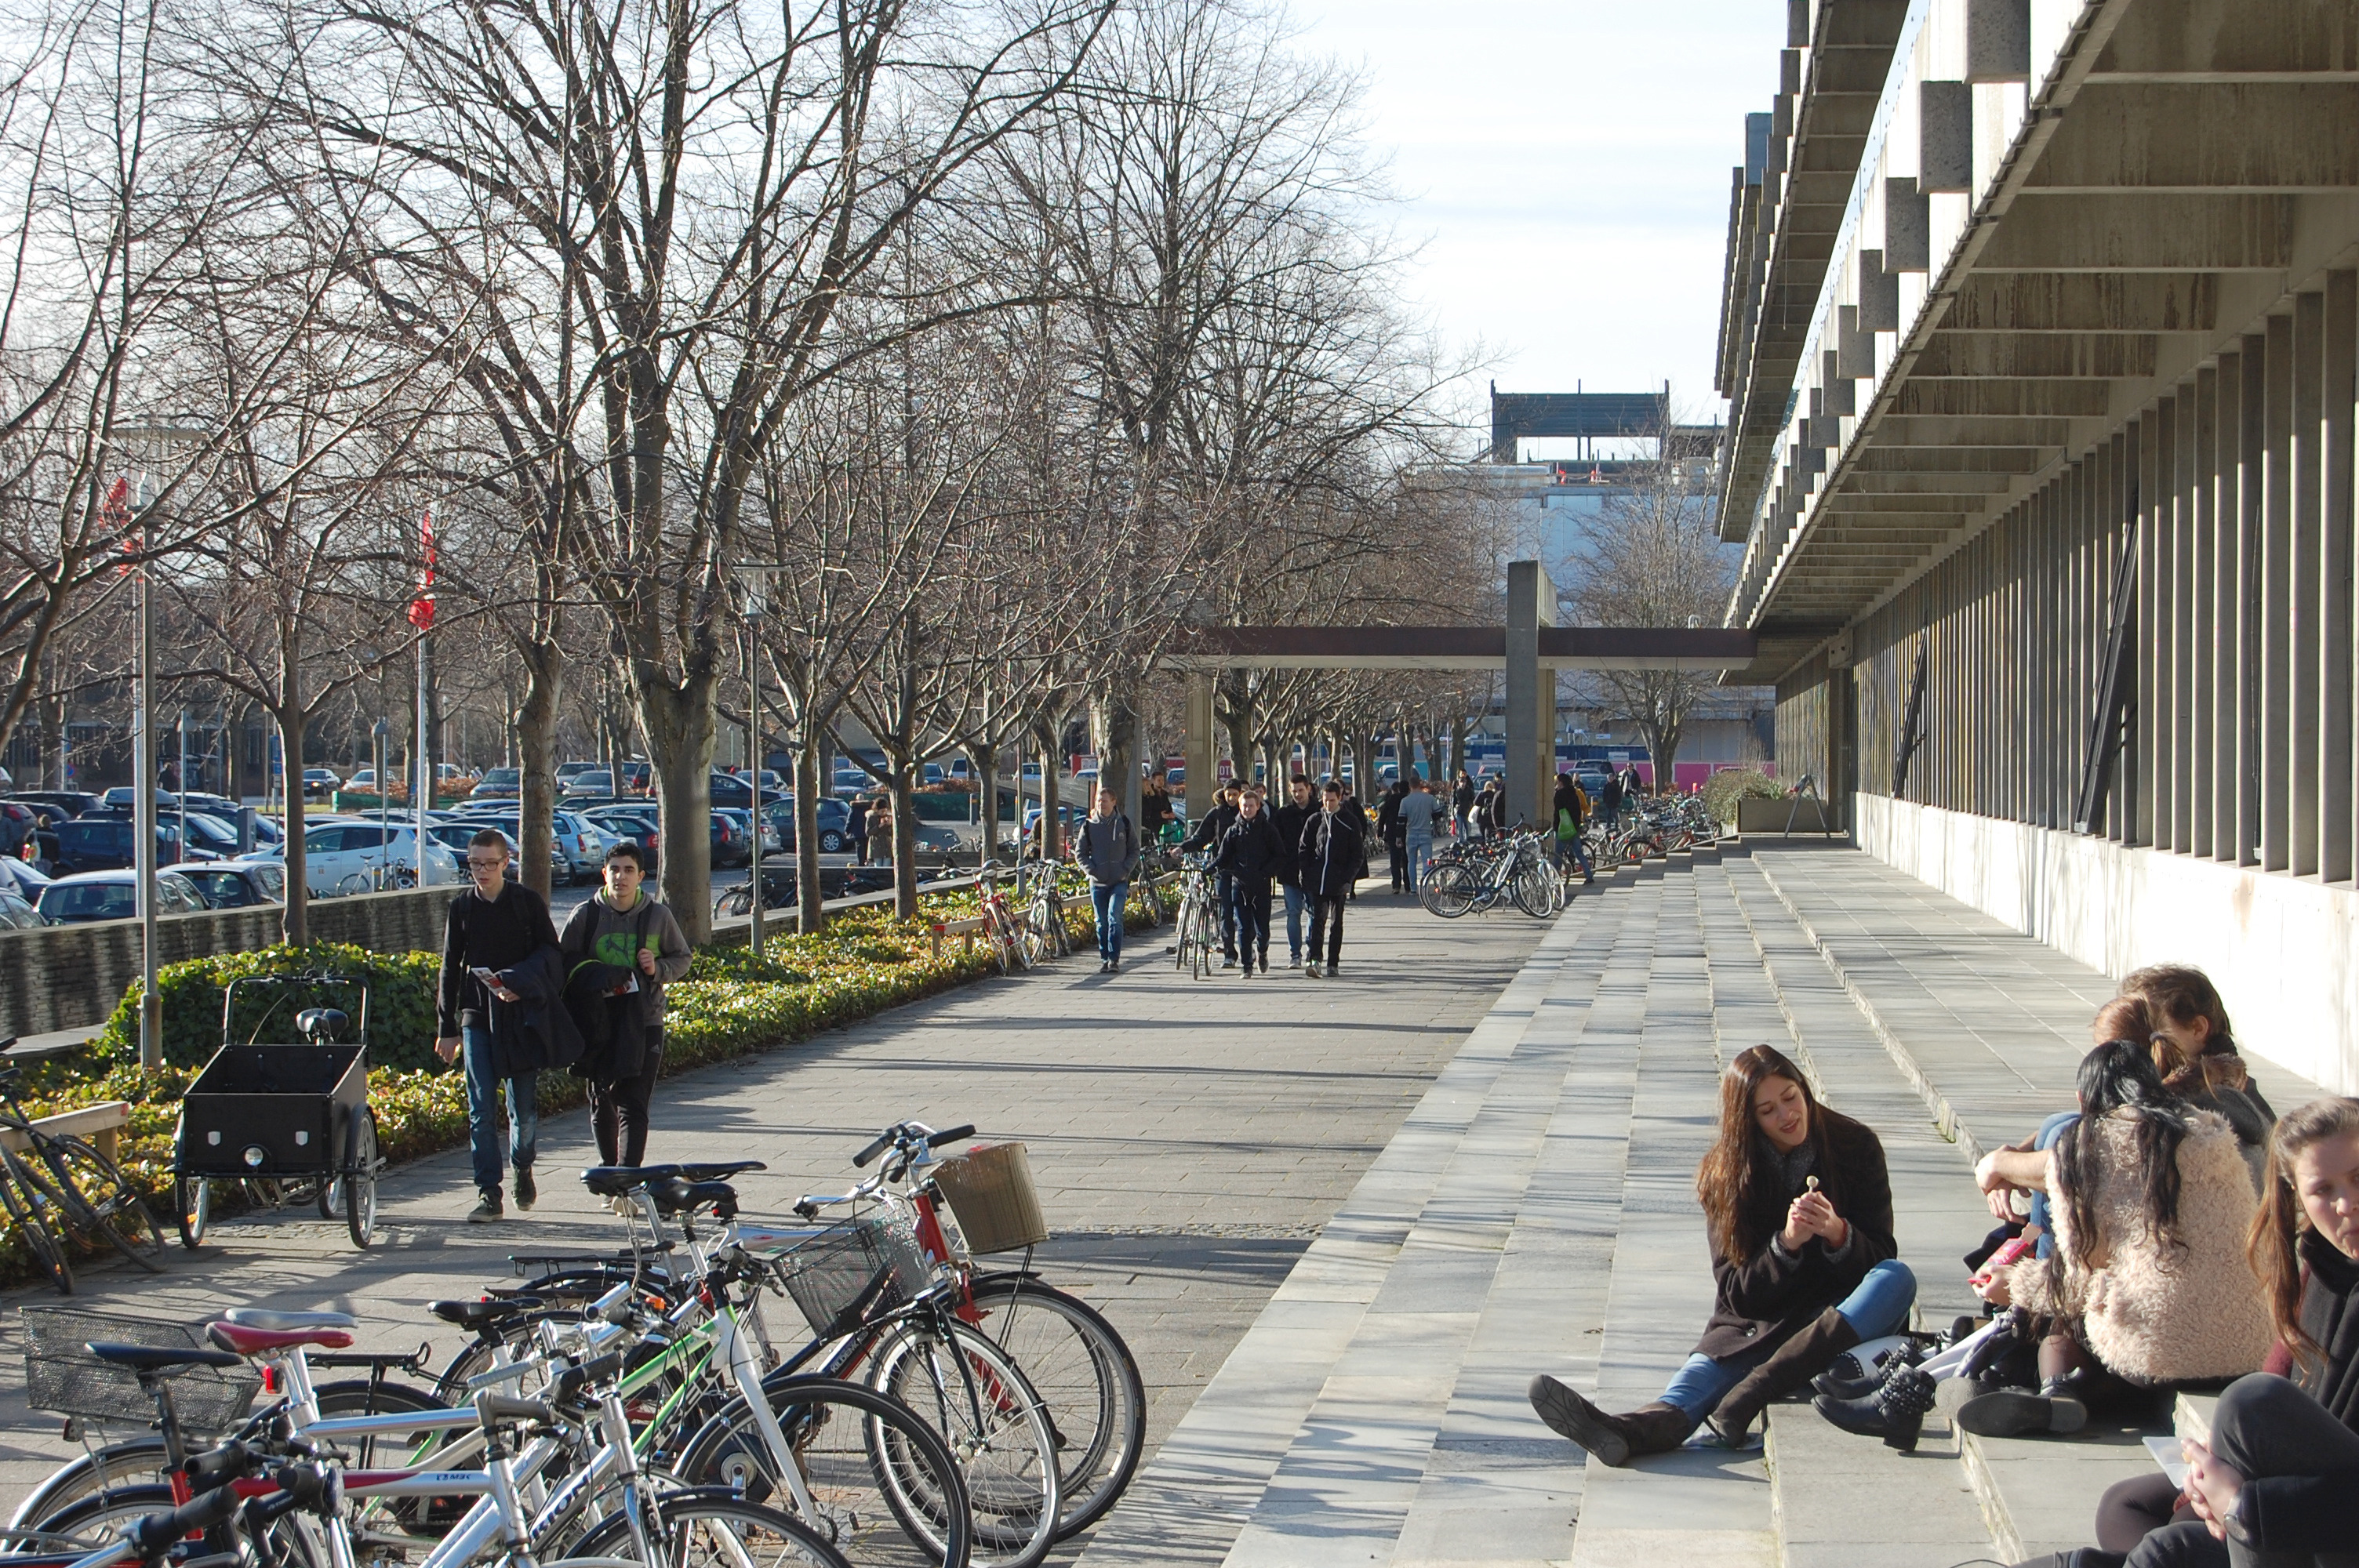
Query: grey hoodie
(1107, 847)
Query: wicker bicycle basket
(991, 1198)
(853, 1270)
(63, 1377)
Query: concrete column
(1198, 749)
(2339, 804)
(1532, 694)
(2202, 738)
(2251, 432)
(2309, 633)
(2277, 600)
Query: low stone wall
(2283, 951)
(71, 976)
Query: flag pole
(421, 615)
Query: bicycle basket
(991, 1198)
(853, 1270)
(61, 1376)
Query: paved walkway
(1189, 1139)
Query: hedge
(733, 1003)
(1726, 787)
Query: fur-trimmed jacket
(2159, 1309)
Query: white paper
(2170, 1456)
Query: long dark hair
(1734, 1185)
(2118, 1076)
(2181, 993)
(2277, 1227)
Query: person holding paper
(493, 926)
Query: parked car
(100, 843)
(211, 834)
(363, 780)
(121, 798)
(458, 836)
(499, 783)
(17, 915)
(20, 832)
(321, 780)
(576, 852)
(773, 842)
(72, 802)
(113, 895)
(728, 789)
(23, 879)
(567, 772)
(834, 816)
(238, 884)
(590, 781)
(638, 825)
(344, 856)
(729, 844)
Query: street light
(756, 580)
(152, 446)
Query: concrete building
(2040, 328)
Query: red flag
(421, 609)
(115, 513)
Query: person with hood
(1250, 854)
(1106, 846)
(1206, 839)
(623, 946)
(1328, 856)
(493, 926)
(1290, 821)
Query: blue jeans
(2037, 1213)
(1295, 903)
(484, 1112)
(1107, 899)
(1419, 847)
(1878, 1305)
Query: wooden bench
(962, 928)
(96, 1125)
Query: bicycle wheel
(969, 1389)
(733, 903)
(103, 1204)
(884, 1488)
(32, 1213)
(1453, 892)
(195, 1204)
(359, 1177)
(1532, 893)
(1088, 1379)
(136, 1462)
(710, 1532)
(1031, 939)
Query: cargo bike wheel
(357, 1178)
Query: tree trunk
(1239, 725)
(1053, 848)
(536, 739)
(296, 924)
(982, 763)
(903, 785)
(678, 722)
(811, 898)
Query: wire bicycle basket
(63, 1377)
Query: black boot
(1610, 1439)
(1848, 1379)
(2018, 1413)
(1792, 1366)
(1895, 1412)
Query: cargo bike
(283, 1120)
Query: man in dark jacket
(1250, 854)
(1289, 820)
(495, 926)
(1462, 802)
(1206, 838)
(1389, 830)
(1106, 846)
(1328, 857)
(1609, 798)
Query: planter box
(1758, 816)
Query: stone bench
(96, 1125)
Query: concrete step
(1195, 1498)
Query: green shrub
(401, 1003)
(1726, 787)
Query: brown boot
(1792, 1365)
(1610, 1439)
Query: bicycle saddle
(614, 1181)
(271, 1322)
(155, 1358)
(676, 1194)
(717, 1169)
(321, 1024)
(480, 1315)
(247, 1341)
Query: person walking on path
(1388, 828)
(1418, 812)
(1107, 847)
(1571, 817)
(1461, 804)
(1330, 857)
(1250, 854)
(1290, 821)
(1206, 839)
(880, 831)
(1155, 809)
(1804, 1267)
(495, 926)
(632, 940)
(1609, 798)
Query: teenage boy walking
(625, 928)
(1418, 812)
(1107, 847)
(1207, 837)
(493, 926)
(1331, 857)
(1250, 853)
(1289, 820)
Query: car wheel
(830, 842)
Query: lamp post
(379, 733)
(756, 585)
(152, 446)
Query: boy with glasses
(493, 926)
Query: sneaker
(487, 1207)
(1294, 961)
(1230, 962)
(1311, 969)
(527, 1195)
(1105, 965)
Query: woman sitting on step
(1799, 1208)
(2276, 1441)
(2151, 1201)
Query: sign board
(1619, 759)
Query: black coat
(2329, 1314)
(534, 1033)
(480, 934)
(1775, 1294)
(1206, 835)
(1289, 820)
(1252, 851)
(1328, 855)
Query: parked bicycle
(61, 1193)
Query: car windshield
(501, 777)
(89, 901)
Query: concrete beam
(1947, 461)
(1883, 488)
(2230, 37)
(2143, 234)
(2275, 136)
(2086, 302)
(2062, 399)
(2073, 355)
(1968, 430)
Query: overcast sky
(1567, 165)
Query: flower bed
(730, 1003)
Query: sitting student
(2150, 1203)
(1800, 1208)
(2305, 1247)
(2196, 1053)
